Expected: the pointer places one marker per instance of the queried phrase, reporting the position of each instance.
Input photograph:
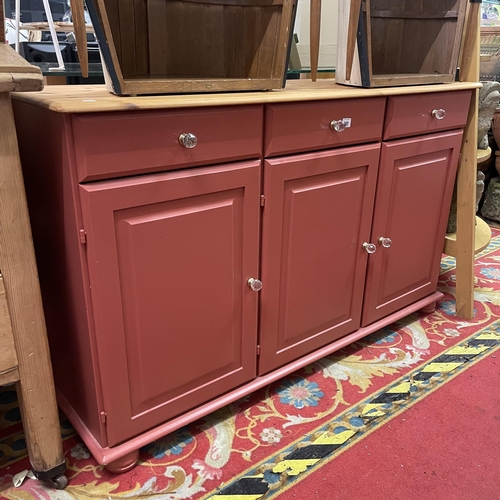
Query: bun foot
(124, 464)
(429, 309)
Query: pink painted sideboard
(151, 254)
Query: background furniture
(382, 43)
(24, 352)
(151, 47)
(482, 231)
(160, 236)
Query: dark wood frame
(364, 56)
(276, 49)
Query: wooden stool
(482, 235)
(482, 239)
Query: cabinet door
(414, 192)
(317, 215)
(169, 256)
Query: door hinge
(103, 417)
(258, 350)
(262, 200)
(83, 236)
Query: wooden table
(24, 351)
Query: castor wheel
(58, 482)
(53, 478)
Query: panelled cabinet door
(414, 191)
(169, 257)
(316, 218)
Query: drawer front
(307, 126)
(423, 113)
(109, 145)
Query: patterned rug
(265, 442)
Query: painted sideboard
(192, 249)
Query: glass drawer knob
(338, 125)
(254, 284)
(385, 242)
(439, 114)
(188, 140)
(370, 247)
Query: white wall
(328, 40)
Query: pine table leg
(467, 173)
(466, 216)
(18, 266)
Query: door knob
(188, 140)
(370, 247)
(385, 242)
(439, 114)
(254, 284)
(340, 125)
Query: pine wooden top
(17, 74)
(92, 98)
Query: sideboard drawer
(109, 145)
(416, 114)
(307, 126)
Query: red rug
(445, 447)
(286, 434)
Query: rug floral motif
(198, 460)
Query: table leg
(466, 216)
(467, 171)
(18, 266)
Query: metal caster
(58, 482)
(53, 478)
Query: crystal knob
(338, 125)
(254, 284)
(385, 242)
(439, 114)
(370, 247)
(188, 140)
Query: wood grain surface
(78, 16)
(17, 260)
(315, 30)
(16, 74)
(466, 183)
(94, 98)
(354, 14)
(8, 356)
(12, 62)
